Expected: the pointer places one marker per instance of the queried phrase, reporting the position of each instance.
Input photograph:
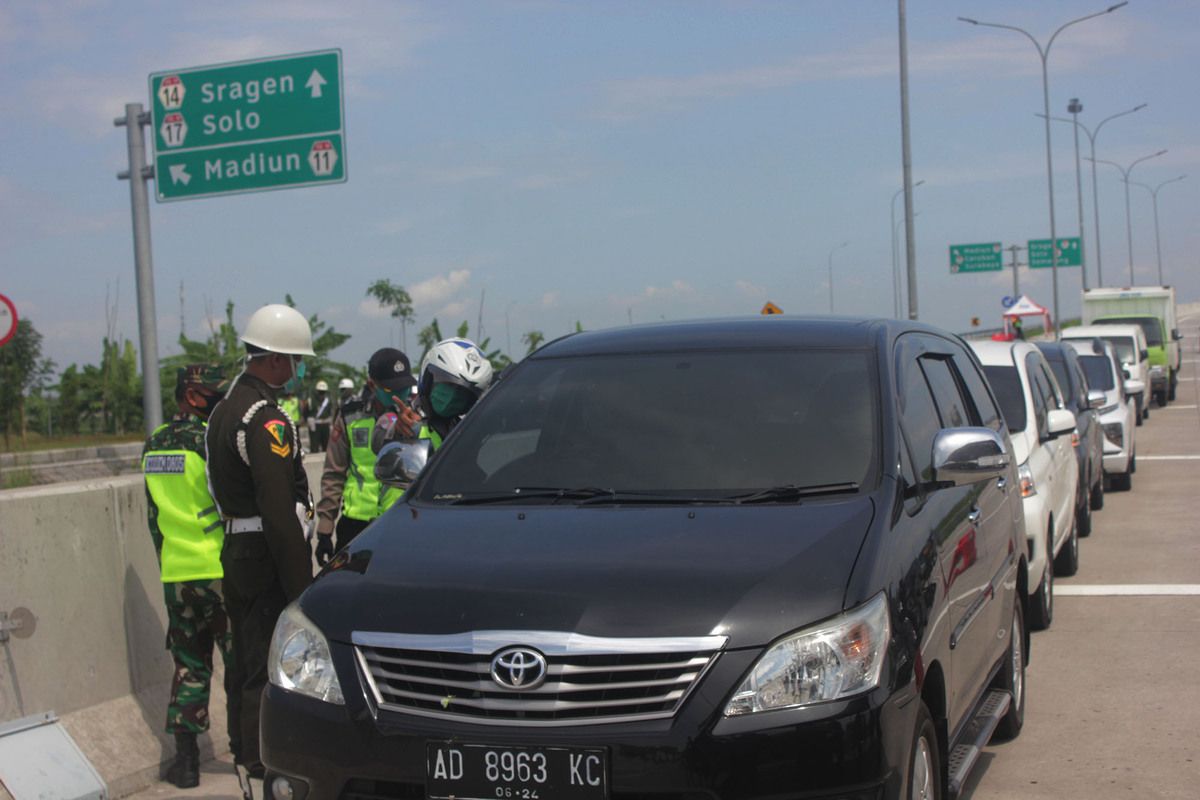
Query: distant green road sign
(1069, 253)
(976, 257)
(270, 123)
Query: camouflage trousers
(196, 623)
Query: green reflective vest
(291, 407)
(363, 497)
(435, 440)
(187, 516)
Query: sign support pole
(1016, 281)
(137, 175)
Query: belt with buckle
(243, 525)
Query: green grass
(35, 441)
(17, 479)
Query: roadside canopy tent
(1024, 307)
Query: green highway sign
(270, 123)
(1069, 253)
(976, 257)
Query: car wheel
(1140, 414)
(1122, 482)
(1066, 563)
(1083, 513)
(1161, 398)
(1097, 498)
(1012, 678)
(1171, 389)
(1133, 463)
(925, 764)
(1041, 605)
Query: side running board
(975, 736)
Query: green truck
(1153, 309)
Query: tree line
(106, 398)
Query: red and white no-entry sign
(8, 320)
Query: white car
(1130, 343)
(1040, 426)
(1118, 415)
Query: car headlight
(1115, 433)
(1108, 409)
(837, 659)
(1028, 487)
(299, 659)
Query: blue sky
(597, 162)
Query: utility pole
(910, 247)
(1014, 249)
(1073, 109)
(138, 174)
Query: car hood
(751, 573)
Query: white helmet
(322, 386)
(279, 329)
(458, 362)
(345, 383)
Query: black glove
(324, 548)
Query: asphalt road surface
(1113, 703)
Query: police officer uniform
(188, 533)
(348, 482)
(257, 478)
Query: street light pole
(1128, 215)
(1074, 107)
(1044, 53)
(831, 252)
(1157, 245)
(1092, 134)
(896, 284)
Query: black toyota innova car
(756, 558)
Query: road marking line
(1128, 590)
(1168, 458)
(1168, 408)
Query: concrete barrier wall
(80, 558)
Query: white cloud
(678, 288)
(451, 310)
(749, 289)
(371, 308)
(550, 299)
(439, 287)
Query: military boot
(185, 772)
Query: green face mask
(448, 400)
(384, 397)
(293, 383)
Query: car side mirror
(1095, 399)
(1059, 421)
(1143, 355)
(968, 455)
(1134, 387)
(399, 463)
(1176, 335)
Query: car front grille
(587, 680)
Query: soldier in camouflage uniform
(188, 536)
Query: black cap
(390, 369)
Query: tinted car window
(947, 396)
(987, 412)
(919, 418)
(1006, 384)
(666, 422)
(1099, 372)
(1149, 325)
(1059, 368)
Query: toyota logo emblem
(519, 668)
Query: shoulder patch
(278, 429)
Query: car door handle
(1002, 484)
(974, 516)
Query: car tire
(1083, 513)
(1097, 497)
(1171, 388)
(924, 762)
(1011, 678)
(1161, 398)
(1066, 563)
(1140, 414)
(1122, 482)
(1040, 606)
(1133, 463)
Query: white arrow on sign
(179, 173)
(315, 82)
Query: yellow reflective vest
(187, 517)
(363, 497)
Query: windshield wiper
(525, 493)
(658, 498)
(792, 492)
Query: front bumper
(853, 749)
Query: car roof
(1085, 347)
(760, 331)
(997, 354)
(1099, 331)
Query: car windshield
(1099, 372)
(700, 425)
(1006, 384)
(1149, 325)
(1124, 347)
